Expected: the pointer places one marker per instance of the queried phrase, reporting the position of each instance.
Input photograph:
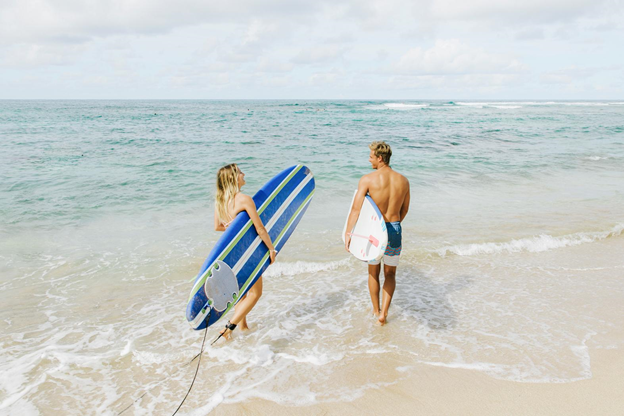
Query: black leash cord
(196, 371)
(166, 377)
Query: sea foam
(403, 106)
(291, 269)
(543, 242)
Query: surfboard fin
(370, 238)
(221, 287)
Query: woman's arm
(217, 223)
(249, 205)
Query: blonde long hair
(227, 188)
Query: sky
(321, 49)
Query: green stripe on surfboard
(243, 231)
(278, 239)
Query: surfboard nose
(197, 315)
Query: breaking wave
(543, 242)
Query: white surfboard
(369, 237)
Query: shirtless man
(391, 192)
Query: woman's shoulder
(241, 198)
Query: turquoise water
(106, 214)
(66, 162)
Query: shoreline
(439, 390)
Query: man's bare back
(390, 191)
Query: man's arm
(406, 203)
(356, 208)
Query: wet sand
(437, 390)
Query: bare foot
(382, 320)
(226, 333)
(375, 312)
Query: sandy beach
(450, 391)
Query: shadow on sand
(418, 296)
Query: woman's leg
(245, 305)
(243, 323)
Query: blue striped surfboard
(240, 257)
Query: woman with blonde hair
(229, 202)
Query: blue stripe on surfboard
(266, 216)
(199, 300)
(277, 228)
(215, 315)
(242, 225)
(375, 207)
(241, 219)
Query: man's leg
(373, 285)
(388, 291)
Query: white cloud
(277, 82)
(67, 21)
(526, 11)
(319, 54)
(237, 57)
(208, 46)
(572, 74)
(357, 48)
(375, 15)
(455, 57)
(324, 79)
(454, 84)
(269, 65)
(62, 20)
(530, 33)
(201, 80)
(36, 55)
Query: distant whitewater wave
(402, 106)
(520, 104)
(509, 105)
(588, 104)
(291, 269)
(473, 104)
(536, 244)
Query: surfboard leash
(167, 377)
(196, 371)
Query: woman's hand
(272, 253)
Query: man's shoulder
(368, 177)
(400, 176)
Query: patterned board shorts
(393, 250)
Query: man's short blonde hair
(381, 149)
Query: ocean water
(513, 251)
